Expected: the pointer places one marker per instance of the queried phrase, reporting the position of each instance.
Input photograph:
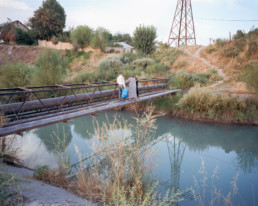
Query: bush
(252, 35)
(110, 64)
(239, 35)
(250, 74)
(49, 68)
(155, 68)
(22, 37)
(252, 48)
(210, 49)
(85, 77)
(15, 74)
(220, 42)
(231, 51)
(240, 43)
(167, 56)
(144, 39)
(144, 62)
(81, 37)
(204, 102)
(182, 79)
(129, 57)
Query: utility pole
(182, 31)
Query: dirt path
(198, 56)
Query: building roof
(125, 45)
(11, 22)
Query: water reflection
(55, 137)
(196, 136)
(232, 146)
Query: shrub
(15, 74)
(49, 68)
(252, 48)
(144, 39)
(54, 40)
(167, 56)
(144, 62)
(204, 102)
(231, 51)
(129, 57)
(253, 34)
(81, 37)
(84, 77)
(250, 74)
(110, 64)
(181, 64)
(240, 43)
(210, 49)
(22, 37)
(239, 35)
(155, 68)
(182, 79)
(220, 42)
(64, 37)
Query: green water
(233, 149)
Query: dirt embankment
(12, 53)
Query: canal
(187, 152)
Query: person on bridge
(121, 83)
(132, 87)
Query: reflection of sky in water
(34, 153)
(177, 157)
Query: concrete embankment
(36, 193)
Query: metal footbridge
(26, 108)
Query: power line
(239, 20)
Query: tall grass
(212, 196)
(118, 162)
(117, 172)
(202, 102)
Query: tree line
(48, 23)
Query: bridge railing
(26, 102)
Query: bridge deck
(24, 125)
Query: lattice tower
(182, 31)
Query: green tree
(101, 38)
(49, 68)
(122, 38)
(81, 37)
(48, 20)
(144, 39)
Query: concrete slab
(36, 193)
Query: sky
(125, 15)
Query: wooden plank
(66, 117)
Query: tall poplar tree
(48, 20)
